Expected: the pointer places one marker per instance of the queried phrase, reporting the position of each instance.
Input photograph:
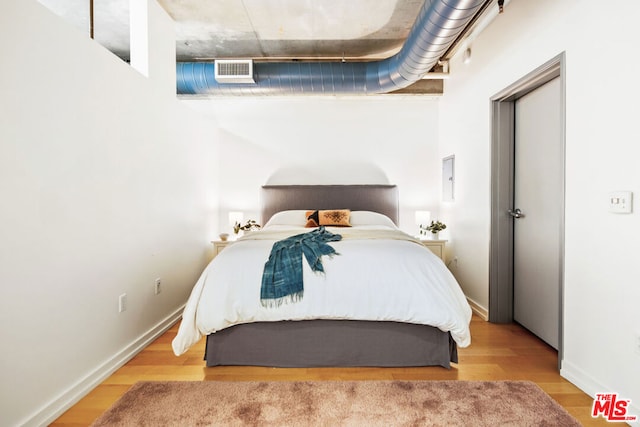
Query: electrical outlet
(122, 303)
(157, 287)
(453, 263)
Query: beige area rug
(336, 403)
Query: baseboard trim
(591, 386)
(56, 407)
(479, 310)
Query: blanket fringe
(287, 299)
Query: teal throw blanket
(282, 275)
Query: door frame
(502, 189)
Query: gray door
(538, 199)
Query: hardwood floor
(497, 352)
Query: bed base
(324, 343)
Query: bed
(338, 321)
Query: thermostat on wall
(620, 201)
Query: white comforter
(380, 274)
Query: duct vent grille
(234, 71)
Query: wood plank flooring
(497, 352)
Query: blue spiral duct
(436, 28)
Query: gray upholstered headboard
(375, 198)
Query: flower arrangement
(251, 225)
(435, 227)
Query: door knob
(516, 213)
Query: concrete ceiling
(290, 28)
(259, 29)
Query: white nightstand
(436, 246)
(219, 245)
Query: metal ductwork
(437, 26)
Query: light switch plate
(621, 201)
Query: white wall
(107, 183)
(601, 288)
(327, 140)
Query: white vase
(434, 236)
